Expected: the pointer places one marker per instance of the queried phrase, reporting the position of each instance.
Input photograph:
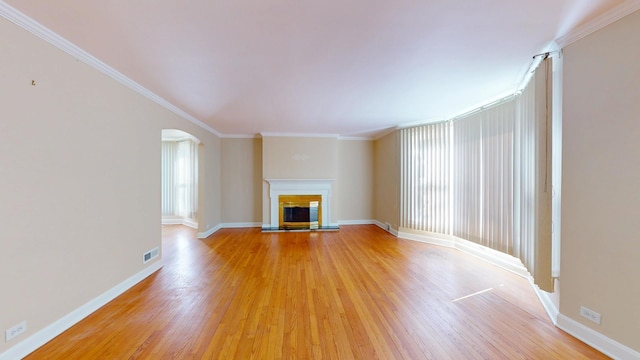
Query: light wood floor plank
(358, 293)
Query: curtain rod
(535, 61)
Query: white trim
(546, 301)
(240, 136)
(495, 257)
(386, 227)
(320, 187)
(609, 17)
(237, 225)
(266, 134)
(177, 220)
(206, 234)
(596, 340)
(427, 239)
(65, 45)
(357, 222)
(56, 328)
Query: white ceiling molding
(299, 135)
(355, 138)
(609, 17)
(63, 44)
(240, 136)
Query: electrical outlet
(15, 331)
(590, 314)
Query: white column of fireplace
(279, 187)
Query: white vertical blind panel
(169, 154)
(180, 179)
(425, 179)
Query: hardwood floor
(358, 293)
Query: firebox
(300, 211)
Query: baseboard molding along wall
(596, 340)
(240, 225)
(386, 227)
(177, 220)
(43, 336)
(356, 222)
(206, 234)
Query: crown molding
(37, 29)
(355, 138)
(264, 134)
(240, 136)
(609, 17)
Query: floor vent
(150, 255)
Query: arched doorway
(179, 178)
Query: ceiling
(347, 67)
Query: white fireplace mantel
(279, 187)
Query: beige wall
(286, 157)
(241, 180)
(601, 180)
(299, 157)
(80, 181)
(355, 180)
(387, 180)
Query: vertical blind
(180, 179)
(425, 154)
(485, 177)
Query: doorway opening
(179, 178)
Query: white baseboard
(547, 303)
(43, 336)
(427, 239)
(206, 234)
(177, 220)
(240, 225)
(495, 257)
(596, 340)
(356, 222)
(387, 227)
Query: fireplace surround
(320, 189)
